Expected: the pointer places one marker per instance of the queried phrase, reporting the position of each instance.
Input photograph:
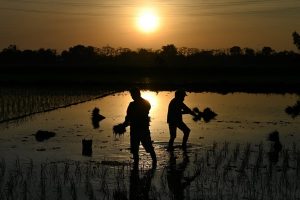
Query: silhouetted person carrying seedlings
(138, 120)
(175, 111)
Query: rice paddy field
(229, 157)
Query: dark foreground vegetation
(221, 171)
(231, 68)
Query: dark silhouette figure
(174, 118)
(96, 117)
(139, 121)
(276, 147)
(140, 186)
(177, 182)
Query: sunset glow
(138, 24)
(151, 97)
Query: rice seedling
(214, 147)
(24, 191)
(236, 152)
(120, 191)
(66, 172)
(29, 170)
(73, 189)
(43, 180)
(10, 186)
(102, 177)
(17, 103)
(78, 171)
(245, 159)
(2, 171)
(58, 189)
(298, 163)
(259, 161)
(18, 169)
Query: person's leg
(154, 159)
(186, 132)
(147, 144)
(172, 129)
(134, 147)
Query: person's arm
(187, 110)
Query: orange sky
(60, 24)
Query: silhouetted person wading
(139, 121)
(174, 119)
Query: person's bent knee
(187, 131)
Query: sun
(148, 21)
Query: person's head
(135, 93)
(180, 94)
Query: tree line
(168, 56)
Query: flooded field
(242, 118)
(230, 146)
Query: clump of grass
(73, 189)
(66, 172)
(25, 190)
(298, 163)
(2, 171)
(29, 171)
(43, 180)
(58, 189)
(236, 152)
(78, 171)
(103, 181)
(10, 186)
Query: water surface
(242, 118)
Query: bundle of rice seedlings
(119, 129)
(207, 114)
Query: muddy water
(242, 118)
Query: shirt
(175, 111)
(137, 113)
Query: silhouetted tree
(296, 38)
(169, 50)
(167, 55)
(267, 51)
(235, 51)
(123, 51)
(185, 51)
(46, 55)
(108, 51)
(80, 54)
(249, 52)
(10, 55)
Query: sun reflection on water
(151, 97)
